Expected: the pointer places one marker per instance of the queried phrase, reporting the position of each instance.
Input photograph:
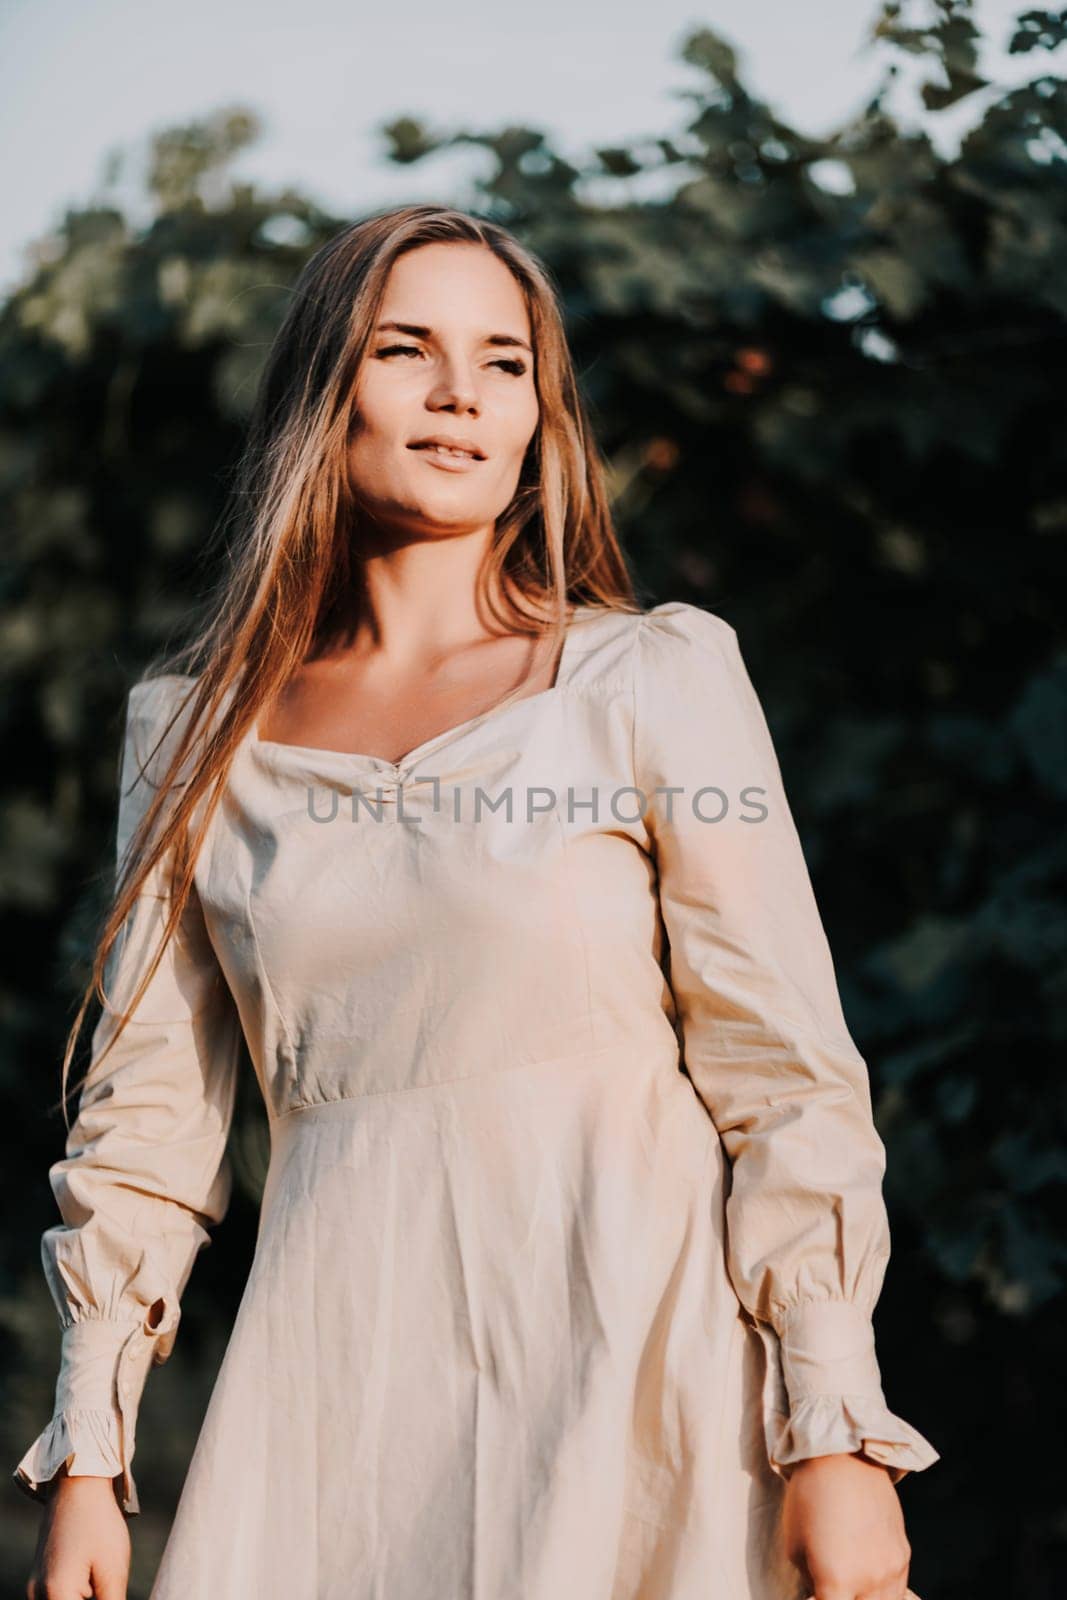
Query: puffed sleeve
(145, 1172)
(766, 1045)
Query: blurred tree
(827, 376)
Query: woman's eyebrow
(419, 332)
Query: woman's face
(459, 368)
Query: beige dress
(573, 1223)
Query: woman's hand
(83, 1548)
(844, 1528)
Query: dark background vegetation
(828, 375)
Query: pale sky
(80, 78)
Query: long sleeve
(145, 1172)
(766, 1045)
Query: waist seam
(579, 1057)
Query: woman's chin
(440, 514)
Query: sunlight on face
(460, 368)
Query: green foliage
(827, 377)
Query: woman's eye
(516, 367)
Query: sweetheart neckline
(265, 747)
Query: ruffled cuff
(103, 1368)
(827, 1425)
(88, 1442)
(823, 1394)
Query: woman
(573, 1222)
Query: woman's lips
(444, 458)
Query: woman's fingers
(839, 1594)
(109, 1584)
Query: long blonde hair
(294, 561)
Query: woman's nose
(454, 386)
